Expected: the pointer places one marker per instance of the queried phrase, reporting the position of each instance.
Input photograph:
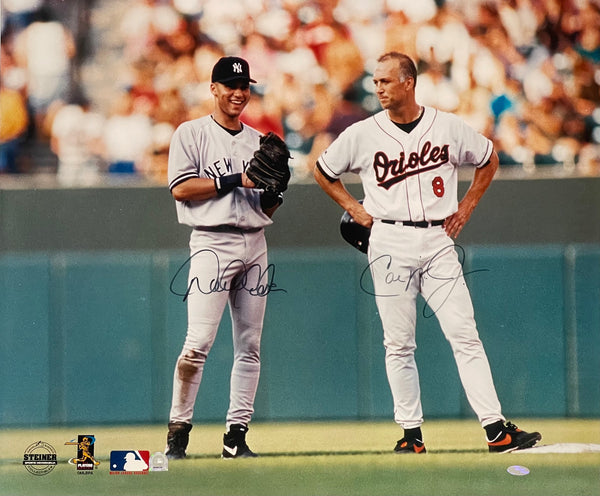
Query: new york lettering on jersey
(222, 167)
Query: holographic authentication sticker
(517, 470)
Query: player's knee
(190, 365)
(469, 346)
(248, 356)
(400, 350)
(247, 341)
(201, 337)
(247, 349)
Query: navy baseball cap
(229, 69)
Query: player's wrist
(226, 184)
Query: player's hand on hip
(453, 226)
(455, 222)
(360, 215)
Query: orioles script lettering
(389, 172)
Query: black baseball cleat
(511, 438)
(234, 443)
(177, 440)
(410, 446)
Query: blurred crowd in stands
(524, 72)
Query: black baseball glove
(269, 169)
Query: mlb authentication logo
(129, 462)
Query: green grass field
(321, 458)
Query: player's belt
(228, 229)
(411, 223)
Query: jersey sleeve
(183, 156)
(338, 157)
(475, 149)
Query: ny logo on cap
(237, 67)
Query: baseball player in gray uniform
(407, 157)
(207, 160)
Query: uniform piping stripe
(488, 154)
(435, 114)
(329, 175)
(181, 179)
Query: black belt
(228, 229)
(421, 223)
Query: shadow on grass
(284, 454)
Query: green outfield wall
(91, 328)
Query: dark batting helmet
(354, 233)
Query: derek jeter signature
(250, 278)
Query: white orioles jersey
(202, 148)
(407, 176)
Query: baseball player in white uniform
(207, 160)
(407, 157)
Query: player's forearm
(335, 189)
(481, 181)
(195, 189)
(199, 189)
(338, 192)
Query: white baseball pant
(404, 261)
(224, 267)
